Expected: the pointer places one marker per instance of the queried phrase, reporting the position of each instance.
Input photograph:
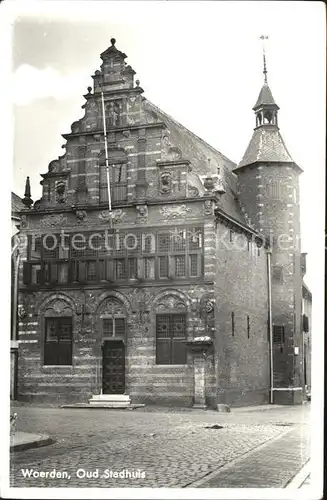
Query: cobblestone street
(173, 448)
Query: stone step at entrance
(110, 400)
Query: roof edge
(261, 162)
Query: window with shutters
(170, 335)
(278, 334)
(58, 341)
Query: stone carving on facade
(142, 213)
(76, 127)
(174, 211)
(209, 306)
(133, 110)
(192, 191)
(23, 222)
(58, 307)
(116, 216)
(61, 191)
(91, 116)
(53, 220)
(112, 307)
(126, 134)
(150, 115)
(170, 302)
(81, 216)
(208, 207)
(22, 312)
(54, 166)
(37, 204)
(168, 151)
(114, 113)
(165, 186)
(104, 216)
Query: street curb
(43, 440)
(297, 481)
(212, 474)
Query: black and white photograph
(163, 216)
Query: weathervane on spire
(263, 38)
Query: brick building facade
(166, 298)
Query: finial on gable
(27, 200)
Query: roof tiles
(266, 145)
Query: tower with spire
(268, 189)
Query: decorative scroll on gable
(138, 111)
(90, 121)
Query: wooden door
(113, 372)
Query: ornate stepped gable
(78, 177)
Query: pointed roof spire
(266, 145)
(265, 96)
(263, 38)
(27, 200)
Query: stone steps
(110, 400)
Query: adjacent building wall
(242, 311)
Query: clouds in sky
(30, 83)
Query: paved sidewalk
(279, 460)
(302, 479)
(172, 447)
(25, 440)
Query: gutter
(270, 326)
(242, 227)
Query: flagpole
(106, 155)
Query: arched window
(58, 334)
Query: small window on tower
(277, 274)
(278, 334)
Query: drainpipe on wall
(270, 330)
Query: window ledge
(61, 367)
(173, 366)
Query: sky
(200, 62)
